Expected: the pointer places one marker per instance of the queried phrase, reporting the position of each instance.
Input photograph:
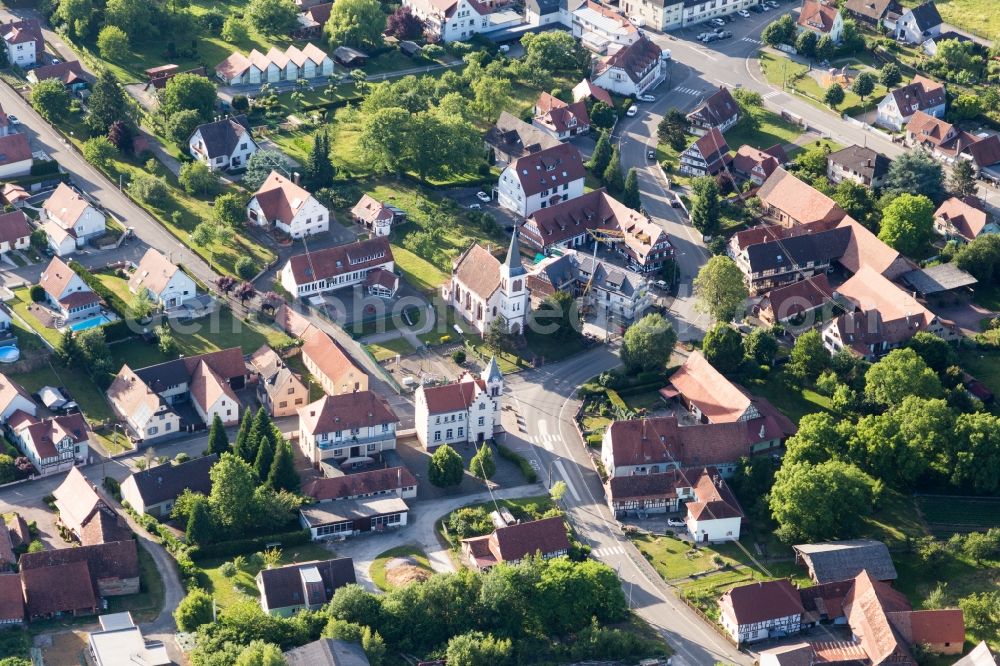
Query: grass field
(984, 365)
(788, 395)
(383, 351)
(704, 592)
(772, 129)
(228, 591)
(781, 70)
(378, 565)
(977, 16)
(946, 515)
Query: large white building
(668, 14)
(633, 69)
(336, 267)
(284, 205)
(482, 289)
(601, 29)
(465, 411)
(352, 428)
(275, 66)
(541, 179)
(223, 144)
(459, 20)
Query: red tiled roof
(66, 72)
(764, 233)
(635, 59)
(329, 357)
(817, 16)
(750, 160)
(585, 89)
(549, 168)
(714, 499)
(717, 109)
(922, 91)
(13, 227)
(11, 598)
(930, 627)
(362, 483)
(966, 219)
(866, 606)
(800, 201)
(116, 559)
(701, 384)
(515, 542)
(797, 297)
(451, 397)
(333, 413)
(334, 261)
(63, 587)
(369, 210)
(478, 270)
(761, 601)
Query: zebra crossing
(546, 440)
(608, 551)
(751, 40)
(687, 91)
(769, 95)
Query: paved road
(544, 398)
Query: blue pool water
(9, 354)
(84, 324)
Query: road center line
(569, 483)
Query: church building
(482, 289)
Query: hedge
(508, 454)
(244, 546)
(44, 168)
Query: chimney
(295, 177)
(869, 163)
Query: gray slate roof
(166, 482)
(327, 652)
(221, 137)
(926, 16)
(821, 248)
(936, 279)
(840, 560)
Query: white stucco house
(918, 24)
(165, 282)
(459, 20)
(921, 94)
(14, 398)
(465, 411)
(351, 428)
(337, 267)
(24, 42)
(67, 293)
(224, 144)
(212, 396)
(541, 179)
(70, 220)
(15, 155)
(52, 445)
(633, 69)
(284, 205)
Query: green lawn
(772, 129)
(946, 515)
(976, 16)
(383, 351)
(987, 296)
(146, 605)
(896, 520)
(984, 365)
(704, 592)
(780, 69)
(787, 394)
(378, 565)
(228, 591)
(86, 394)
(118, 286)
(420, 273)
(20, 306)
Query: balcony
(345, 442)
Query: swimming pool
(91, 322)
(9, 354)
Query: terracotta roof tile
(333, 261)
(717, 109)
(333, 413)
(13, 227)
(329, 357)
(362, 483)
(817, 16)
(280, 199)
(798, 200)
(62, 587)
(548, 168)
(717, 397)
(635, 59)
(451, 397)
(761, 601)
(11, 598)
(65, 204)
(154, 272)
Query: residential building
(840, 560)
(381, 283)
(820, 18)
(275, 66)
(226, 143)
(166, 283)
(352, 517)
(54, 444)
(11, 193)
(482, 289)
(573, 224)
(885, 317)
(713, 514)
(15, 156)
(282, 204)
(670, 14)
(560, 119)
(376, 216)
(335, 267)
(15, 231)
(757, 165)
(795, 304)
(120, 643)
(67, 293)
(144, 398)
(774, 263)
(916, 24)
(949, 143)
(601, 29)
(615, 293)
(24, 42)
(11, 601)
(280, 391)
(865, 249)
(154, 490)
(312, 20)
(957, 220)
(539, 13)
(286, 590)
(707, 156)
(109, 569)
(14, 398)
(545, 538)
(328, 652)
(452, 20)
(59, 590)
(85, 513)
(70, 220)
(69, 73)
(717, 111)
(862, 165)
(397, 481)
(541, 179)
(633, 69)
(789, 201)
(331, 365)
(871, 13)
(761, 610)
(512, 138)
(464, 411)
(585, 91)
(349, 429)
(921, 94)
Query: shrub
(246, 268)
(458, 356)
(251, 545)
(228, 569)
(37, 293)
(530, 475)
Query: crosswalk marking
(773, 93)
(687, 91)
(610, 550)
(751, 40)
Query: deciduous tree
(834, 96)
(723, 348)
(899, 374)
(761, 346)
(112, 42)
(648, 343)
(719, 289)
(820, 502)
(356, 23)
(890, 76)
(272, 17)
(478, 649)
(197, 178)
(50, 99)
(134, 17)
(554, 51)
(809, 357)
(482, 465)
(403, 24)
(76, 15)
(99, 151)
(908, 223)
(188, 91)
(705, 213)
(194, 610)
(446, 467)
(864, 85)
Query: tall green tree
(266, 451)
(723, 348)
(705, 212)
(631, 197)
(218, 441)
(834, 96)
(112, 43)
(188, 91)
(76, 15)
(899, 374)
(825, 48)
(963, 179)
(355, 23)
(673, 129)
(478, 649)
(915, 171)
(908, 223)
(613, 172)
(134, 17)
(194, 610)
(864, 85)
(890, 76)
(820, 502)
(557, 316)
(973, 458)
(554, 51)
(601, 156)
(242, 447)
(272, 17)
(319, 171)
(719, 289)
(50, 99)
(283, 475)
(446, 467)
(199, 524)
(259, 653)
(648, 343)
(761, 346)
(819, 438)
(809, 357)
(806, 44)
(482, 465)
(935, 351)
(232, 496)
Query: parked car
(632, 110)
(711, 37)
(675, 522)
(504, 48)
(475, 206)
(675, 203)
(482, 196)
(650, 154)
(661, 284)
(744, 13)
(13, 120)
(725, 34)
(701, 36)
(646, 98)
(719, 22)
(773, 4)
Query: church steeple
(512, 264)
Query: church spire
(512, 264)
